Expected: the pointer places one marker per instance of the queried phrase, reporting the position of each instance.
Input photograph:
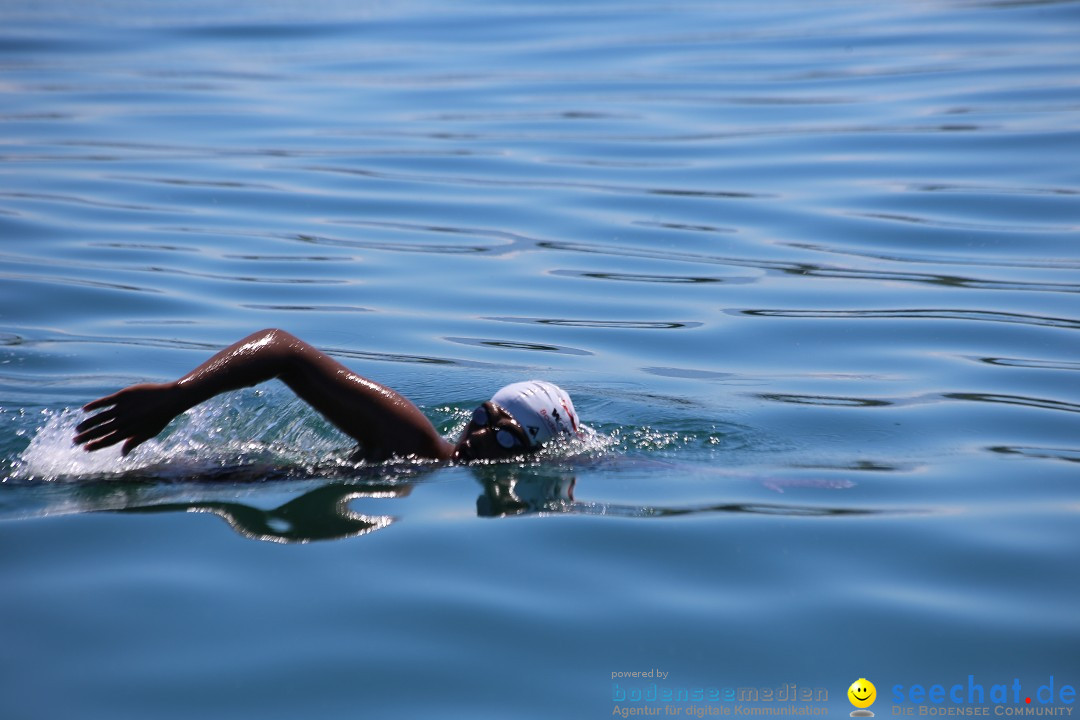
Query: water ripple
(155, 247)
(508, 241)
(986, 189)
(684, 227)
(647, 278)
(461, 180)
(76, 200)
(600, 324)
(70, 281)
(1066, 454)
(704, 137)
(285, 258)
(645, 511)
(688, 373)
(814, 269)
(432, 248)
(936, 222)
(522, 115)
(927, 398)
(307, 308)
(518, 345)
(209, 348)
(1037, 263)
(1041, 403)
(826, 400)
(922, 314)
(103, 267)
(1030, 363)
(244, 278)
(190, 182)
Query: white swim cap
(544, 410)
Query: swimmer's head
(544, 410)
(518, 419)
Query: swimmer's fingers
(107, 436)
(110, 410)
(102, 402)
(103, 442)
(95, 421)
(131, 444)
(89, 432)
(95, 436)
(132, 395)
(132, 416)
(104, 429)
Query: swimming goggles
(507, 440)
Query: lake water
(810, 271)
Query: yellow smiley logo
(862, 693)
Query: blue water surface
(810, 271)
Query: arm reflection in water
(321, 514)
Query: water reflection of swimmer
(509, 489)
(320, 514)
(529, 489)
(324, 513)
(517, 420)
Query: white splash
(228, 430)
(52, 453)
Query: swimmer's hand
(131, 416)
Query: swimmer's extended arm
(381, 420)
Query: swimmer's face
(862, 693)
(492, 434)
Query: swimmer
(517, 420)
